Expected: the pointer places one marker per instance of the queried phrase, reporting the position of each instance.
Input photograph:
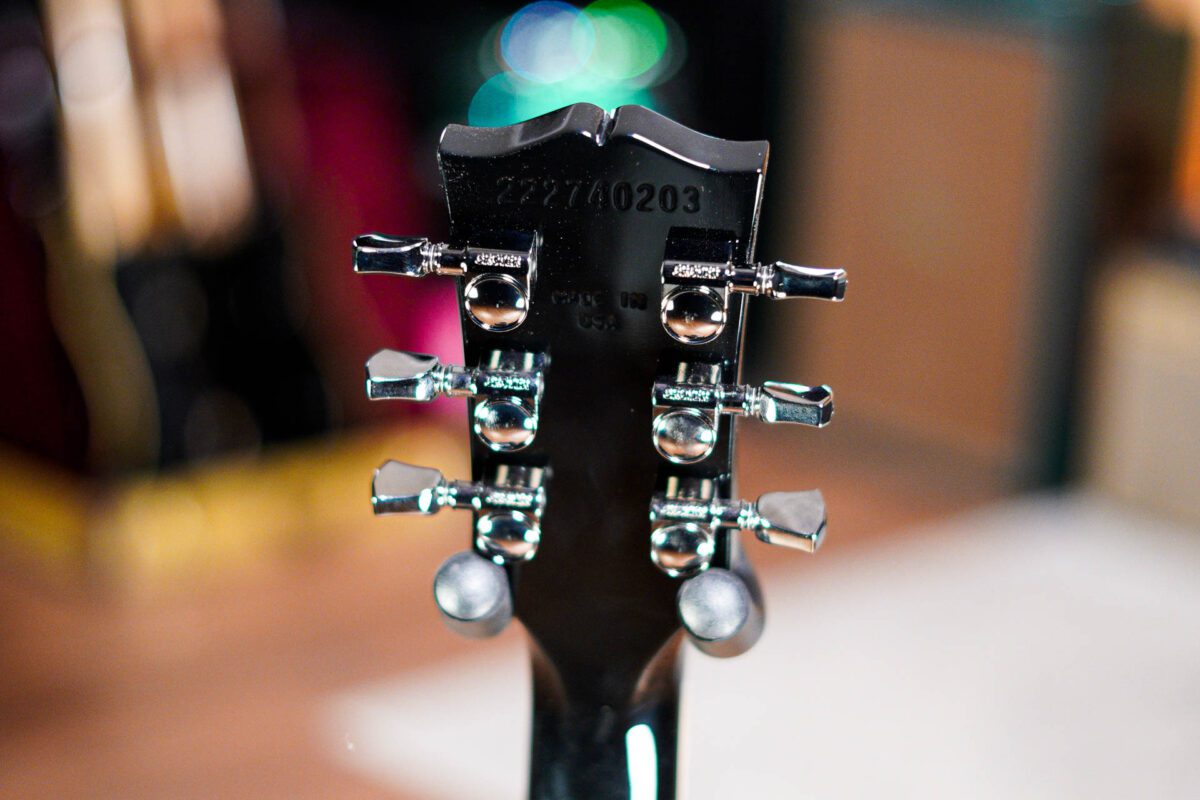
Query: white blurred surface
(1042, 648)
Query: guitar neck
(603, 264)
(599, 738)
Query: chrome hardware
(507, 509)
(498, 281)
(686, 517)
(508, 387)
(473, 595)
(721, 614)
(695, 293)
(687, 409)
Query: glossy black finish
(604, 194)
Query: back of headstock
(603, 265)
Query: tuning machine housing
(497, 281)
(507, 507)
(686, 518)
(698, 277)
(688, 406)
(507, 388)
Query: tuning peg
(508, 388)
(473, 595)
(687, 408)
(686, 517)
(498, 280)
(507, 509)
(695, 292)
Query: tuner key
(400, 488)
(397, 375)
(695, 290)
(410, 256)
(498, 280)
(687, 409)
(793, 402)
(473, 595)
(686, 518)
(507, 388)
(781, 281)
(790, 519)
(507, 509)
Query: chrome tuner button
(507, 508)
(495, 303)
(720, 613)
(473, 595)
(498, 280)
(697, 279)
(507, 388)
(693, 315)
(507, 536)
(684, 435)
(688, 405)
(682, 548)
(686, 518)
(505, 424)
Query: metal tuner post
(507, 388)
(695, 293)
(721, 612)
(688, 408)
(497, 281)
(471, 588)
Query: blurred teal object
(550, 54)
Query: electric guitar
(604, 263)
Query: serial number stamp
(598, 195)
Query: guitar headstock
(603, 263)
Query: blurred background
(192, 589)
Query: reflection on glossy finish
(642, 756)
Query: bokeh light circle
(630, 38)
(547, 41)
(507, 98)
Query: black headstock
(603, 265)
